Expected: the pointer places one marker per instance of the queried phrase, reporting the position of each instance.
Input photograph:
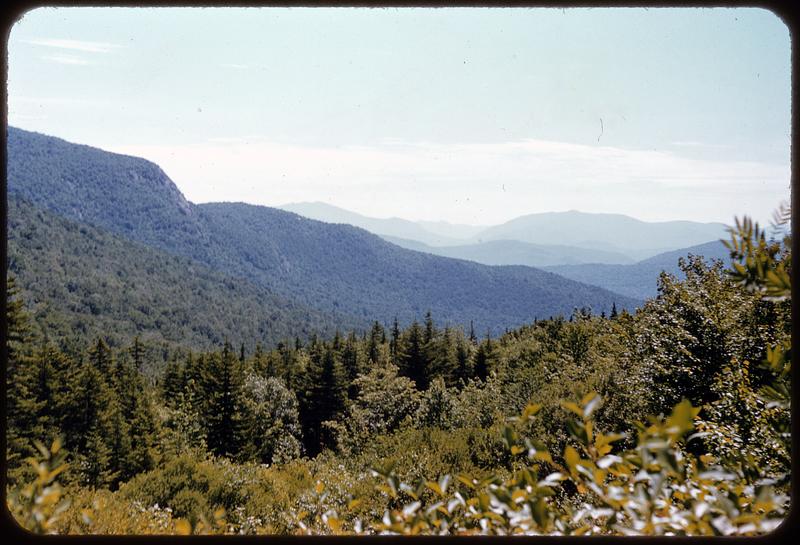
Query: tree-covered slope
(82, 282)
(127, 195)
(640, 279)
(333, 268)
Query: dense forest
(81, 282)
(673, 419)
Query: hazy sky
(463, 115)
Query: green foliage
(759, 265)
(656, 488)
(382, 402)
(272, 421)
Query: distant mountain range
(538, 240)
(514, 252)
(345, 274)
(639, 280)
(613, 232)
(429, 233)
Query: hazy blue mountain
(452, 230)
(337, 269)
(514, 252)
(385, 227)
(640, 279)
(81, 281)
(614, 232)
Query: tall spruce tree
(323, 397)
(394, 343)
(463, 370)
(221, 392)
(377, 336)
(412, 357)
(352, 364)
(22, 404)
(90, 418)
(483, 358)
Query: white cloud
(67, 59)
(237, 66)
(75, 45)
(473, 183)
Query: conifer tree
(351, 362)
(430, 328)
(100, 356)
(442, 356)
(143, 429)
(174, 381)
(377, 336)
(89, 419)
(463, 370)
(288, 363)
(137, 353)
(221, 392)
(412, 357)
(52, 368)
(393, 344)
(483, 358)
(21, 403)
(323, 397)
(257, 364)
(193, 382)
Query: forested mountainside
(127, 195)
(639, 280)
(614, 232)
(514, 252)
(82, 283)
(332, 268)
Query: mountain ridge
(639, 279)
(617, 230)
(584, 232)
(515, 252)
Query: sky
(463, 115)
